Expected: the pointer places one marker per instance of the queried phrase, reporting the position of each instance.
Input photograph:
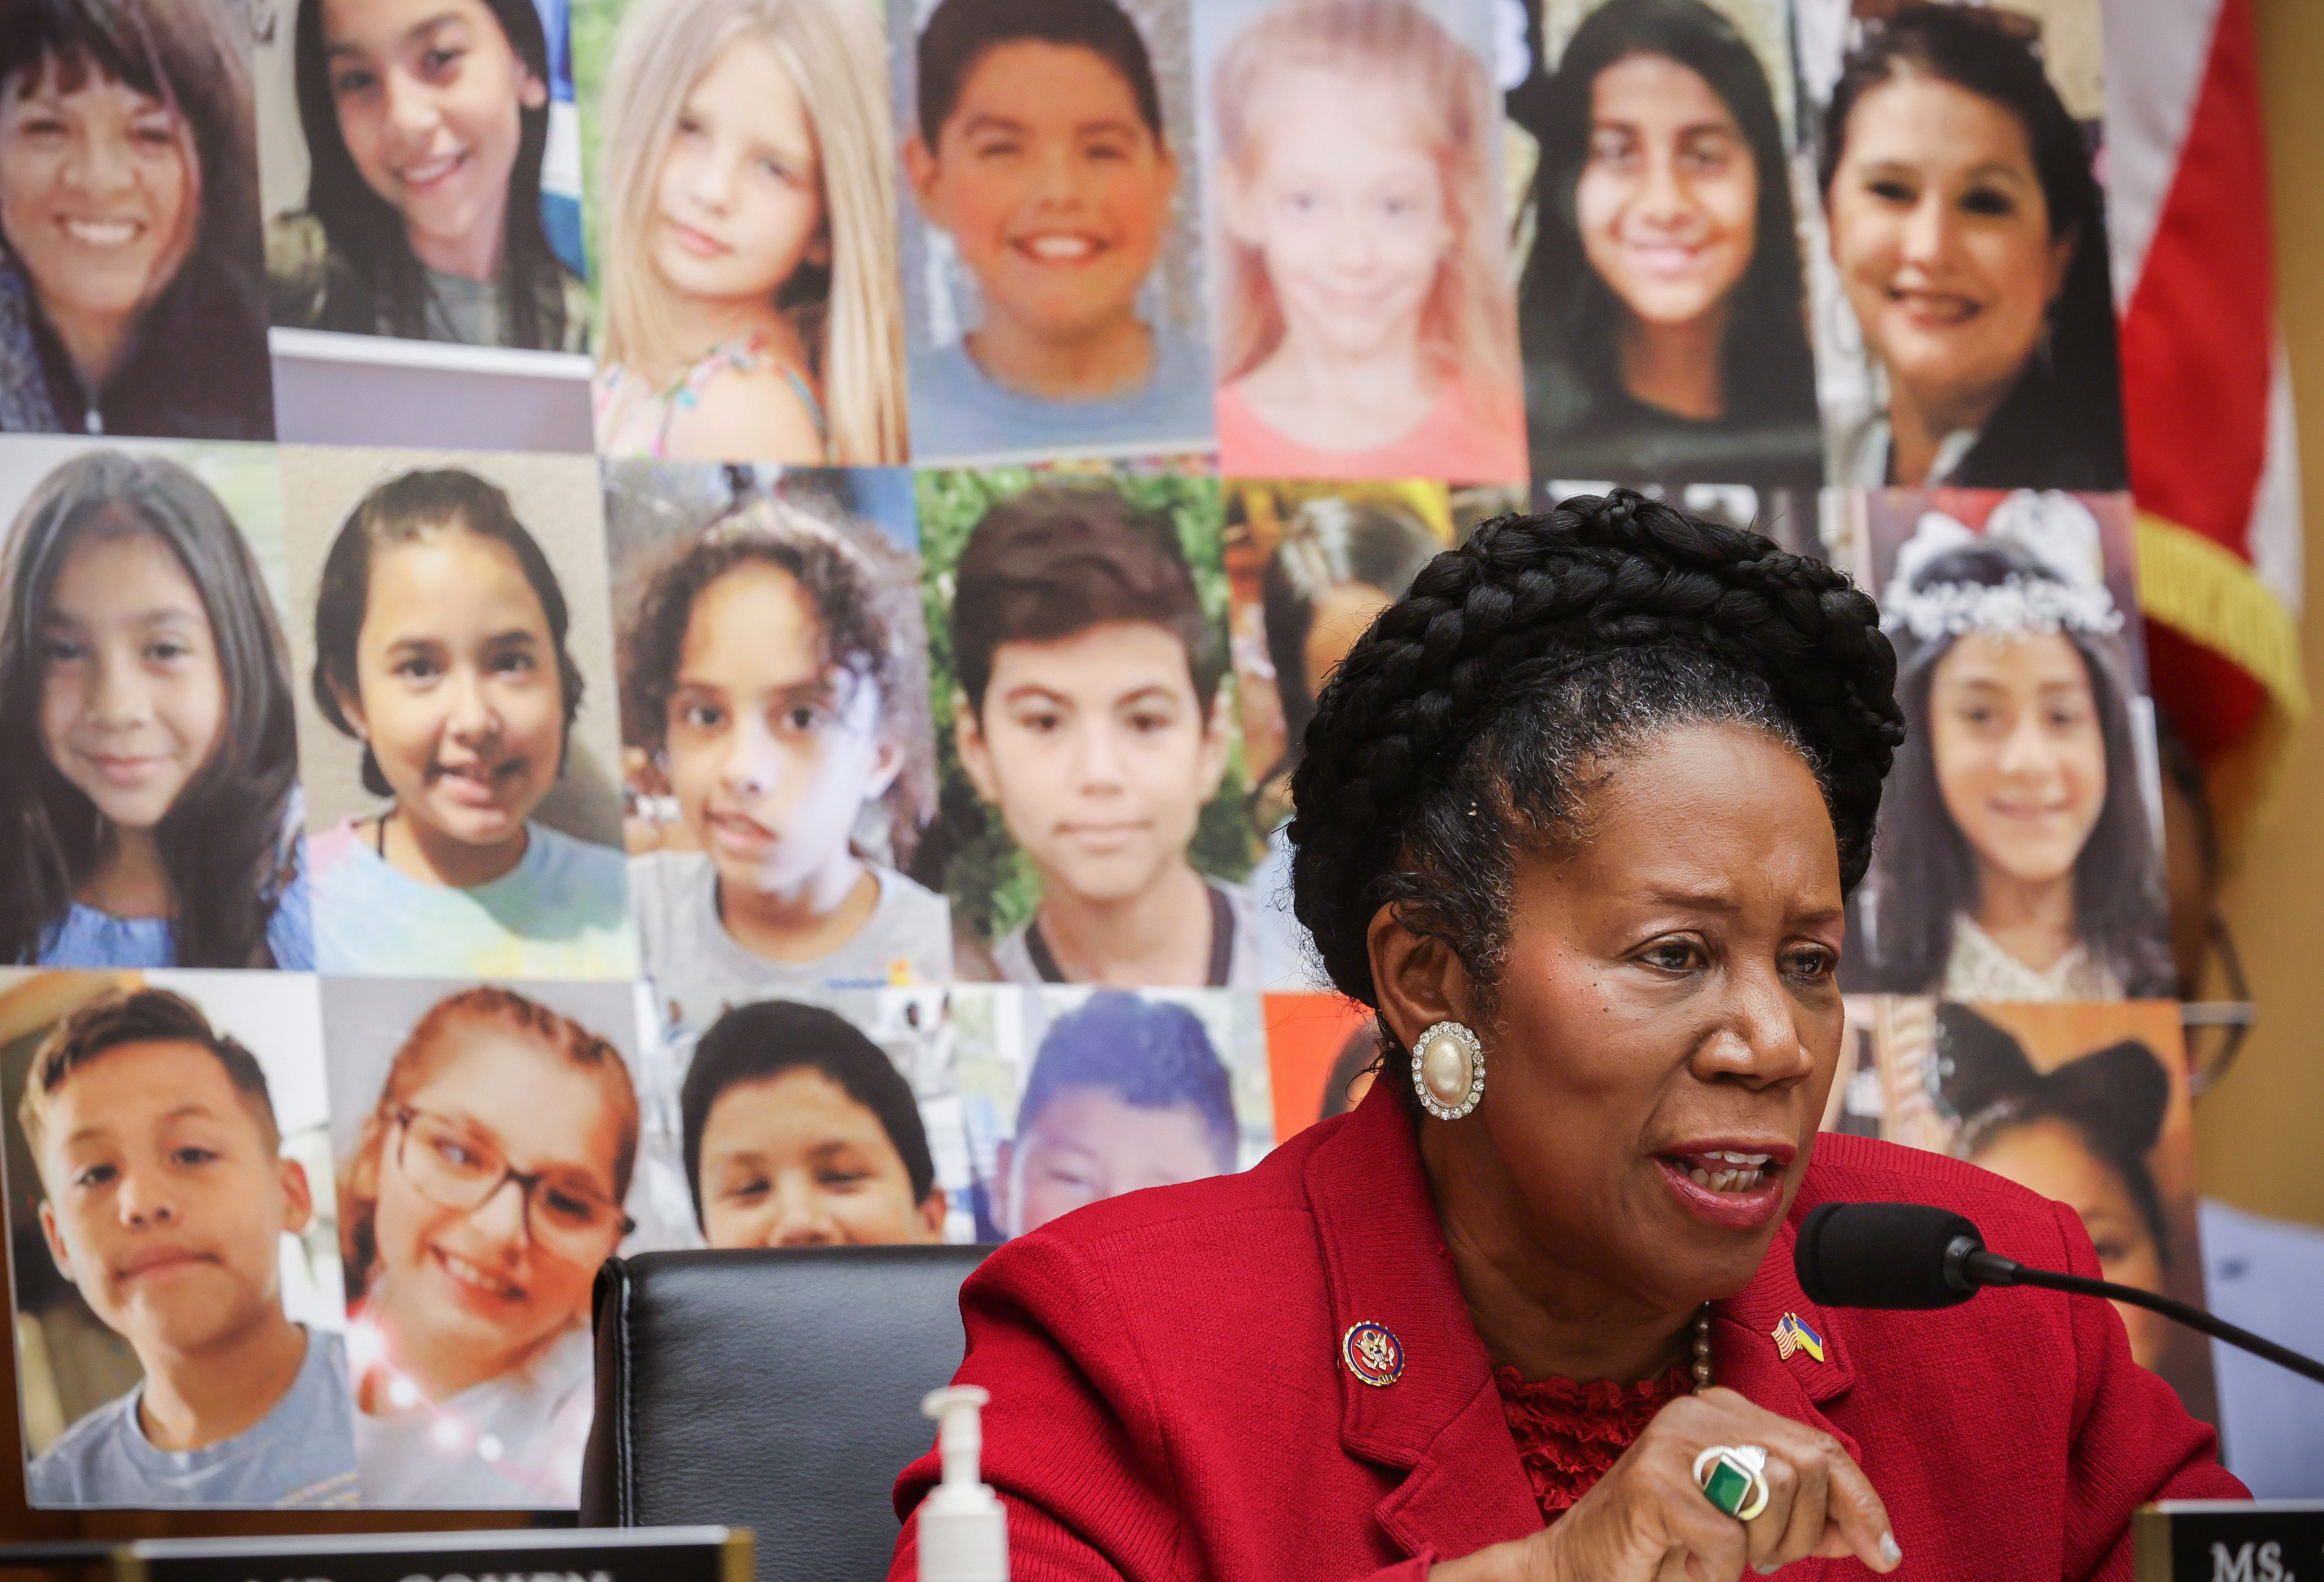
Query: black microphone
(1913, 1256)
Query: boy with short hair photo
(1126, 1093)
(799, 1132)
(164, 1200)
(1089, 713)
(1038, 148)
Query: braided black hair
(1459, 728)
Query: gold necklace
(1702, 1348)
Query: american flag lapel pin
(1791, 1336)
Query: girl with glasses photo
(484, 1193)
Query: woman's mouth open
(430, 174)
(1734, 1189)
(104, 233)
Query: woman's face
(792, 1162)
(1668, 201)
(100, 191)
(1667, 1028)
(477, 1286)
(1344, 203)
(429, 97)
(1941, 237)
(2050, 1158)
(1051, 185)
(132, 701)
(739, 203)
(458, 690)
(2020, 754)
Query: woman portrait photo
(425, 126)
(1053, 255)
(1366, 324)
(1968, 234)
(132, 295)
(1576, 822)
(448, 653)
(2019, 853)
(1663, 309)
(754, 308)
(153, 810)
(486, 1139)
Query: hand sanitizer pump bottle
(963, 1531)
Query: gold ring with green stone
(1734, 1477)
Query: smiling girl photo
(425, 125)
(1366, 327)
(444, 650)
(486, 1140)
(132, 298)
(152, 809)
(752, 304)
(1664, 310)
(2018, 857)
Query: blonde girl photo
(752, 305)
(1367, 326)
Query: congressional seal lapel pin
(1372, 1353)
(1791, 1334)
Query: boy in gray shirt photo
(164, 1200)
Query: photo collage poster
(622, 618)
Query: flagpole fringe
(2211, 594)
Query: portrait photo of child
(779, 765)
(2019, 852)
(2087, 1104)
(1075, 1096)
(175, 1242)
(1052, 247)
(146, 706)
(1091, 828)
(1662, 301)
(486, 1139)
(1309, 566)
(1365, 312)
(457, 713)
(754, 308)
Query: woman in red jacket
(1578, 817)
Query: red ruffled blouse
(1568, 1434)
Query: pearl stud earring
(1448, 1070)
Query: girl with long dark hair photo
(425, 125)
(150, 816)
(1969, 238)
(2017, 856)
(132, 300)
(1663, 312)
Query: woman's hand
(1648, 1521)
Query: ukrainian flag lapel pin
(1791, 1334)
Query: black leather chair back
(778, 1391)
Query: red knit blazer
(1168, 1402)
